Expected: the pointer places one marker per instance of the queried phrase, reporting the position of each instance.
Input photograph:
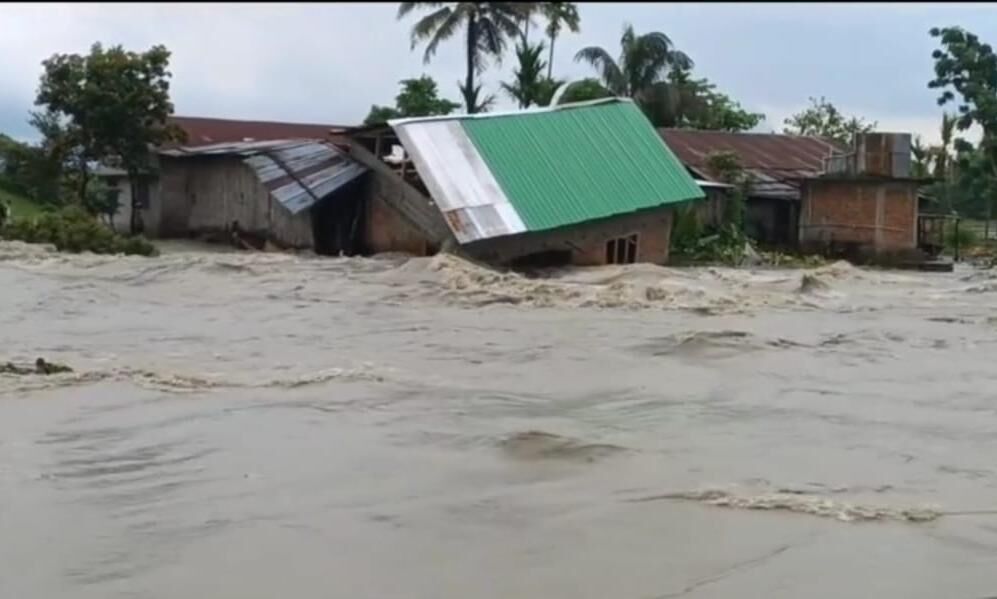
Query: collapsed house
(276, 182)
(280, 191)
(588, 183)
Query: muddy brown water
(256, 425)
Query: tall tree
(559, 15)
(824, 120)
(116, 102)
(641, 70)
(921, 155)
(530, 87)
(969, 66)
(488, 25)
(697, 104)
(941, 153)
(418, 97)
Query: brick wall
(587, 242)
(871, 215)
(388, 231)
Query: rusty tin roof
(206, 131)
(776, 161)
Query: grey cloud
(329, 63)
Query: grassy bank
(20, 207)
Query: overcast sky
(327, 63)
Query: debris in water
(538, 445)
(41, 367)
(810, 283)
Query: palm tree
(523, 88)
(530, 87)
(921, 156)
(640, 71)
(488, 25)
(558, 14)
(528, 9)
(942, 162)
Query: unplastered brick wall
(878, 215)
(587, 241)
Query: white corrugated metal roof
(297, 173)
(458, 180)
(492, 115)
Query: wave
(716, 343)
(630, 287)
(539, 445)
(802, 503)
(180, 383)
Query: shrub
(966, 237)
(72, 229)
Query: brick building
(865, 203)
(775, 164)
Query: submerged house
(277, 182)
(588, 183)
(776, 165)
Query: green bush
(72, 229)
(966, 237)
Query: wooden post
(956, 257)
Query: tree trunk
(550, 61)
(135, 224)
(84, 180)
(472, 47)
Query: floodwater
(262, 425)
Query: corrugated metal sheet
(459, 182)
(206, 131)
(297, 173)
(776, 161)
(499, 174)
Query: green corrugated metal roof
(574, 164)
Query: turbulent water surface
(262, 425)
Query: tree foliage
(418, 97)
(559, 15)
(488, 26)
(966, 66)
(823, 119)
(658, 77)
(697, 104)
(644, 61)
(921, 155)
(583, 90)
(114, 104)
(530, 87)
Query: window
(622, 250)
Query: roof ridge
(758, 133)
(509, 113)
(253, 121)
